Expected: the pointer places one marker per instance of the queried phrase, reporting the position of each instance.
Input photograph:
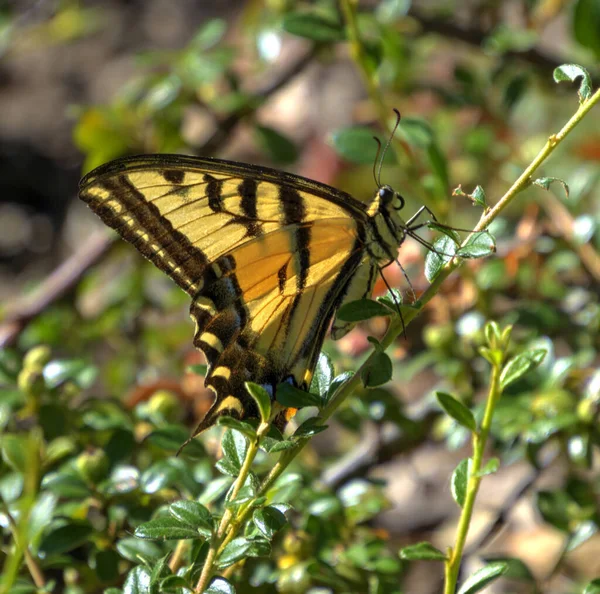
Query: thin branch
(476, 37)
(228, 125)
(60, 281)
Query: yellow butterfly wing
(267, 257)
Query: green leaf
(235, 448)
(571, 72)
(459, 481)
(215, 489)
(197, 369)
(482, 577)
(280, 148)
(416, 132)
(390, 11)
(75, 370)
(162, 94)
(243, 427)
(164, 473)
(445, 249)
(516, 570)
(326, 506)
(439, 164)
(137, 581)
(134, 550)
(392, 299)
(554, 507)
(323, 376)
(269, 520)
(422, 551)
(378, 370)
(193, 514)
(313, 26)
(582, 534)
(457, 410)
(546, 182)
(309, 428)
(520, 365)
(444, 229)
(236, 550)
(490, 467)
(167, 528)
(279, 446)
(586, 24)
(65, 485)
(362, 309)
(66, 537)
(539, 431)
(220, 585)
(478, 245)
(259, 547)
(14, 449)
(262, 399)
(107, 565)
(293, 397)
(478, 197)
(172, 436)
(593, 587)
(357, 145)
(40, 515)
(209, 34)
(337, 382)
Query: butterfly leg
(410, 223)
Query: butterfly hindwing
(266, 257)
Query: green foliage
(90, 487)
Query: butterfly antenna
(387, 144)
(377, 182)
(395, 300)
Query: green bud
(586, 410)
(294, 579)
(92, 465)
(438, 337)
(37, 357)
(166, 405)
(31, 382)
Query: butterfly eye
(400, 202)
(386, 194)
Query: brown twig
(565, 225)
(370, 452)
(56, 285)
(227, 125)
(475, 36)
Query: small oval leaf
(457, 410)
(362, 309)
(422, 551)
(482, 577)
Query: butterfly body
(266, 256)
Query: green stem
(360, 57)
(396, 327)
(479, 442)
(225, 525)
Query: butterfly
(267, 258)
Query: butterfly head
(389, 199)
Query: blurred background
(83, 82)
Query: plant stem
(479, 442)
(366, 69)
(217, 543)
(229, 529)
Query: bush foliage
(92, 495)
